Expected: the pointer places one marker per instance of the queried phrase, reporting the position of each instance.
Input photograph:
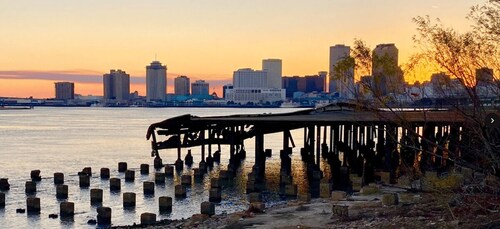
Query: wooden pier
(369, 140)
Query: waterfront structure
(341, 81)
(255, 95)
(273, 67)
(388, 77)
(249, 78)
(116, 86)
(65, 90)
(224, 88)
(306, 84)
(156, 81)
(199, 87)
(181, 85)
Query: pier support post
(35, 175)
(129, 176)
(95, 196)
(148, 218)
(33, 205)
(144, 169)
(67, 209)
(30, 187)
(2, 200)
(84, 180)
(4, 184)
(129, 200)
(165, 204)
(115, 184)
(58, 178)
(122, 167)
(104, 173)
(149, 188)
(160, 178)
(62, 192)
(180, 191)
(103, 215)
(179, 165)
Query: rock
(20, 210)
(324, 190)
(340, 211)
(369, 190)
(338, 195)
(356, 182)
(390, 199)
(208, 208)
(257, 207)
(53, 216)
(199, 218)
(404, 182)
(148, 218)
(92, 222)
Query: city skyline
(41, 48)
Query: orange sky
(201, 39)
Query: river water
(69, 139)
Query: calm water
(69, 139)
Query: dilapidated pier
(369, 143)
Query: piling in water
(165, 204)
(169, 170)
(115, 184)
(67, 209)
(129, 200)
(104, 173)
(58, 178)
(144, 169)
(208, 208)
(33, 205)
(96, 196)
(180, 191)
(103, 215)
(84, 180)
(255, 197)
(160, 178)
(62, 192)
(215, 195)
(4, 184)
(87, 171)
(215, 182)
(30, 187)
(35, 175)
(149, 188)
(158, 162)
(129, 176)
(2, 200)
(148, 218)
(122, 167)
(186, 180)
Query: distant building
(484, 76)
(116, 86)
(156, 82)
(65, 90)
(273, 67)
(255, 95)
(340, 82)
(224, 88)
(199, 87)
(181, 85)
(307, 84)
(249, 78)
(388, 77)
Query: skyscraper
(199, 87)
(273, 67)
(65, 90)
(247, 78)
(181, 85)
(340, 82)
(387, 75)
(156, 81)
(116, 86)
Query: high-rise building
(249, 78)
(116, 86)
(199, 87)
(156, 81)
(181, 85)
(224, 88)
(306, 84)
(65, 90)
(273, 67)
(341, 80)
(387, 75)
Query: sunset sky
(42, 42)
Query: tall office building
(247, 77)
(388, 77)
(156, 81)
(181, 85)
(306, 84)
(116, 86)
(273, 67)
(199, 87)
(224, 88)
(65, 90)
(340, 82)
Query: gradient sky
(59, 40)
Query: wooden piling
(105, 173)
(122, 167)
(84, 180)
(104, 215)
(35, 175)
(129, 176)
(67, 209)
(149, 188)
(61, 191)
(148, 218)
(144, 169)
(165, 204)
(33, 205)
(115, 184)
(30, 187)
(129, 199)
(58, 178)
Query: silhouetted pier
(353, 139)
